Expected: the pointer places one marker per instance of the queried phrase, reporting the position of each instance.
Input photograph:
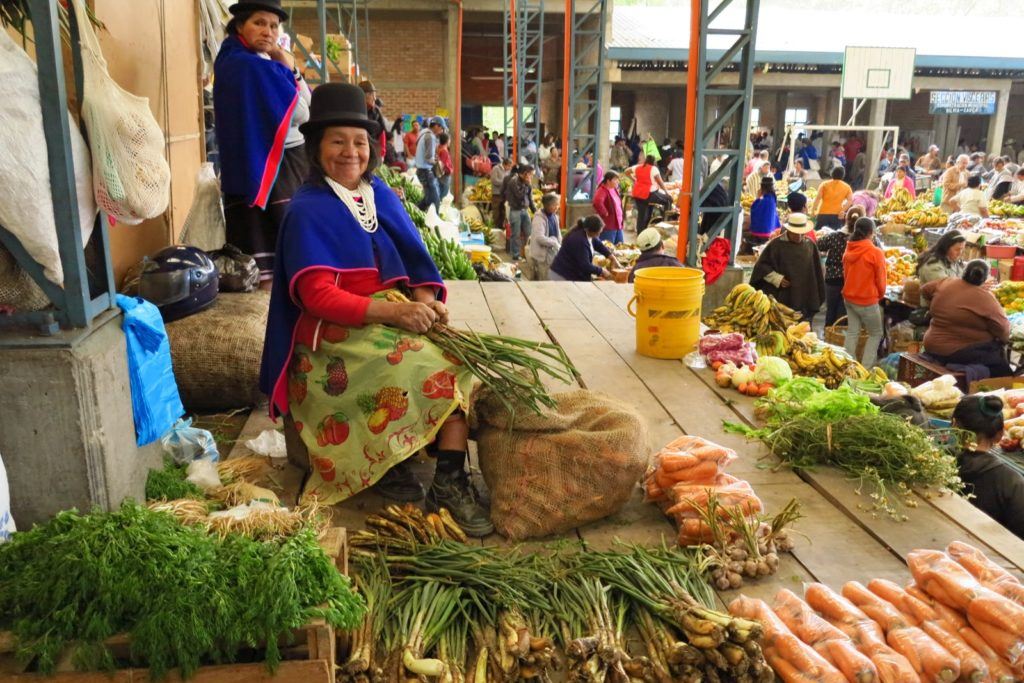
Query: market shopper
(545, 237)
(498, 175)
(259, 101)
(618, 157)
(994, 487)
(971, 199)
(648, 188)
(833, 197)
(652, 253)
(444, 160)
(575, 259)
(953, 180)
(968, 325)
(339, 357)
(833, 246)
(943, 259)
(518, 192)
(752, 184)
(764, 215)
(409, 141)
(1015, 195)
(900, 179)
(863, 290)
(608, 205)
(789, 268)
(425, 159)
(373, 105)
(930, 163)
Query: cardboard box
(993, 383)
(1005, 267)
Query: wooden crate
(312, 654)
(915, 369)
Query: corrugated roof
(820, 37)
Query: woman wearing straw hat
(365, 394)
(789, 268)
(259, 101)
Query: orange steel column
(515, 82)
(690, 133)
(456, 132)
(570, 20)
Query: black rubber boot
(453, 490)
(400, 483)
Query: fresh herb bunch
(169, 483)
(184, 596)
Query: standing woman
(646, 176)
(608, 205)
(764, 215)
(833, 245)
(259, 101)
(444, 158)
(366, 391)
(863, 289)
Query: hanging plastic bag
(155, 401)
(6, 520)
(131, 176)
(204, 225)
(185, 443)
(26, 207)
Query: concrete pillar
(831, 106)
(821, 110)
(779, 122)
(876, 117)
(451, 59)
(66, 429)
(604, 108)
(997, 122)
(952, 133)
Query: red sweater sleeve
(322, 298)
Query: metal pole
(321, 17)
(567, 85)
(456, 133)
(515, 80)
(686, 190)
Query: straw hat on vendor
(365, 390)
(789, 268)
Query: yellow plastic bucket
(666, 305)
(478, 253)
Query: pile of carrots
(962, 618)
(686, 472)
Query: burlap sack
(553, 472)
(216, 353)
(17, 288)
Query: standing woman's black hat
(259, 6)
(338, 104)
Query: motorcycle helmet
(179, 280)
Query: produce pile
(900, 264)
(939, 396)
(961, 618)
(808, 425)
(736, 364)
(456, 612)
(998, 207)
(482, 191)
(409, 191)
(810, 358)
(717, 511)
(1010, 295)
(183, 595)
(509, 367)
(751, 312)
(927, 217)
(900, 200)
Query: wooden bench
(918, 368)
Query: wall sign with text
(962, 102)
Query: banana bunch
(832, 367)
(930, 217)
(1000, 208)
(475, 225)
(746, 201)
(482, 191)
(773, 343)
(751, 312)
(899, 201)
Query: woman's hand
(440, 310)
(606, 274)
(279, 54)
(414, 316)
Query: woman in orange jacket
(863, 289)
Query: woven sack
(17, 288)
(216, 352)
(553, 472)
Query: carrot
(998, 669)
(672, 461)
(686, 442)
(893, 667)
(884, 613)
(910, 607)
(1006, 645)
(972, 664)
(992, 608)
(832, 605)
(978, 564)
(703, 472)
(786, 671)
(713, 452)
(932, 661)
(663, 480)
(652, 491)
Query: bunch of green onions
(511, 368)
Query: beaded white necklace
(364, 208)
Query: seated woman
(943, 259)
(575, 258)
(789, 268)
(364, 389)
(995, 487)
(968, 325)
(901, 179)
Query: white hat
(799, 224)
(649, 238)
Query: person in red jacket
(863, 289)
(608, 205)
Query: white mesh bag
(130, 174)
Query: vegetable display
(510, 367)
(448, 255)
(751, 312)
(184, 596)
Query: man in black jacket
(652, 253)
(373, 105)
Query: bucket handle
(630, 307)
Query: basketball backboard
(878, 73)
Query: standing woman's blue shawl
(320, 233)
(253, 102)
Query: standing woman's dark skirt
(254, 230)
